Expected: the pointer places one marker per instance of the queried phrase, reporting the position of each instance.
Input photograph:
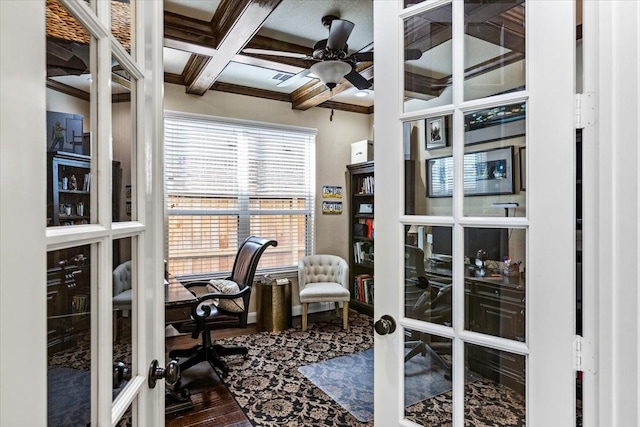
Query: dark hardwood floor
(215, 406)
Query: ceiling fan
(331, 60)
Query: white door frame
(25, 238)
(611, 197)
(23, 309)
(550, 392)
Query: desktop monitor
(441, 240)
(493, 240)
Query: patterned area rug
(272, 391)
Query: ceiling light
(362, 93)
(330, 72)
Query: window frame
(243, 202)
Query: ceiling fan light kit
(330, 72)
(331, 57)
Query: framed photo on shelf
(522, 154)
(436, 130)
(365, 208)
(485, 173)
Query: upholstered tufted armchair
(122, 293)
(324, 278)
(122, 286)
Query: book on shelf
(87, 182)
(362, 252)
(363, 288)
(365, 185)
(80, 304)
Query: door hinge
(584, 356)
(585, 110)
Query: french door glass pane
(427, 273)
(69, 299)
(496, 393)
(123, 131)
(494, 277)
(495, 161)
(428, 59)
(494, 48)
(428, 166)
(123, 312)
(427, 379)
(68, 141)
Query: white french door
(474, 145)
(81, 119)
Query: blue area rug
(69, 397)
(349, 381)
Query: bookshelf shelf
(361, 236)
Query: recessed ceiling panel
(198, 9)
(174, 60)
(257, 77)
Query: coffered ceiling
(204, 46)
(220, 45)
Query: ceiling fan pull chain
(331, 96)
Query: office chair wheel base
(178, 395)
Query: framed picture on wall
(494, 124)
(436, 130)
(485, 172)
(64, 132)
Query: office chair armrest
(201, 310)
(198, 283)
(219, 295)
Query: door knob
(120, 373)
(385, 325)
(171, 373)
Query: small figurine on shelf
(73, 183)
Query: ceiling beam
(69, 90)
(236, 23)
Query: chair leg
(337, 304)
(305, 307)
(345, 315)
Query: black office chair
(424, 302)
(207, 315)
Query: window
(228, 179)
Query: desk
(178, 302)
(494, 305)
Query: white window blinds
(226, 180)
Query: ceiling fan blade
(294, 79)
(252, 51)
(362, 57)
(339, 32)
(411, 54)
(357, 80)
